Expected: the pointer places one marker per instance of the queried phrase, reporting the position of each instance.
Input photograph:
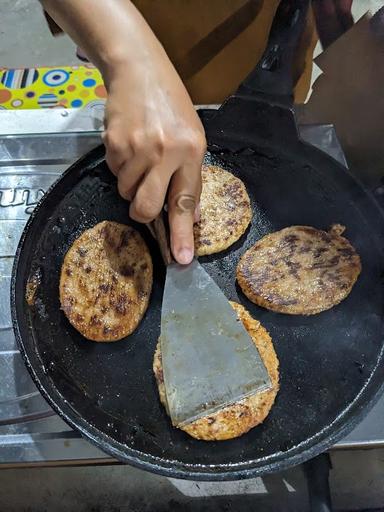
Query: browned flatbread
(225, 211)
(237, 419)
(299, 270)
(106, 281)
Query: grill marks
(225, 211)
(106, 281)
(299, 270)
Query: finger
(116, 151)
(183, 198)
(151, 193)
(130, 175)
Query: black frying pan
(332, 366)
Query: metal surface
(50, 440)
(28, 166)
(209, 360)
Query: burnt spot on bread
(319, 251)
(324, 236)
(106, 330)
(124, 240)
(294, 268)
(82, 284)
(334, 277)
(108, 237)
(322, 265)
(232, 189)
(79, 318)
(305, 249)
(121, 304)
(81, 251)
(334, 260)
(127, 270)
(142, 294)
(88, 269)
(291, 240)
(257, 281)
(144, 267)
(211, 420)
(68, 271)
(346, 252)
(95, 320)
(275, 298)
(104, 287)
(205, 241)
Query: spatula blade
(208, 358)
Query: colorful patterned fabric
(61, 87)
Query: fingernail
(185, 256)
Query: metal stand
(317, 473)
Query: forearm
(112, 32)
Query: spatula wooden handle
(159, 232)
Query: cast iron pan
(332, 366)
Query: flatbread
(106, 281)
(237, 419)
(225, 211)
(299, 270)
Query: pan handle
(261, 111)
(273, 75)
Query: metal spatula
(208, 358)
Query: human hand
(155, 144)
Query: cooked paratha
(239, 418)
(106, 281)
(225, 211)
(299, 270)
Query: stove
(30, 432)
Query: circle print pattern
(89, 82)
(76, 103)
(19, 78)
(55, 77)
(47, 100)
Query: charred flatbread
(299, 270)
(237, 419)
(106, 281)
(225, 211)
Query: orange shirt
(214, 44)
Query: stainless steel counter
(30, 432)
